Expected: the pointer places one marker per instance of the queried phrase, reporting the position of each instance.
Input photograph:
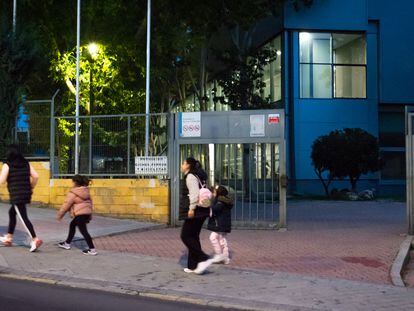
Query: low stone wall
(142, 199)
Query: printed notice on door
(190, 125)
(257, 125)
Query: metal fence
(108, 144)
(32, 129)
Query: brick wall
(143, 199)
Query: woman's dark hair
(192, 163)
(196, 168)
(81, 181)
(221, 191)
(14, 155)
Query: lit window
(272, 74)
(332, 65)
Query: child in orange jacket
(79, 203)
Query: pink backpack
(205, 196)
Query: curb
(144, 293)
(400, 262)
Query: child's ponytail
(81, 181)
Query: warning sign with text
(190, 125)
(151, 166)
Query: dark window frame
(391, 149)
(395, 181)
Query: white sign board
(190, 124)
(151, 166)
(257, 125)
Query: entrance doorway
(250, 163)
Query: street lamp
(93, 50)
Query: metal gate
(242, 150)
(409, 124)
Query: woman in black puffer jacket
(220, 224)
(21, 179)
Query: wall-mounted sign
(257, 125)
(273, 118)
(190, 124)
(151, 166)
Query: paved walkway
(318, 251)
(347, 240)
(224, 286)
(51, 230)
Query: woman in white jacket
(193, 216)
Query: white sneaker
(35, 244)
(64, 245)
(218, 258)
(186, 270)
(226, 261)
(202, 266)
(5, 240)
(90, 252)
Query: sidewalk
(223, 286)
(347, 240)
(50, 230)
(242, 287)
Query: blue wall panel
(329, 15)
(396, 38)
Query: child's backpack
(205, 196)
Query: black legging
(80, 221)
(190, 235)
(20, 209)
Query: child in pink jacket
(79, 203)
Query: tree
(242, 81)
(107, 85)
(325, 157)
(17, 63)
(351, 152)
(361, 155)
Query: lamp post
(14, 16)
(147, 89)
(77, 87)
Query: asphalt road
(16, 295)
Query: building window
(272, 75)
(392, 142)
(394, 168)
(332, 65)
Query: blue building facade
(348, 64)
(340, 64)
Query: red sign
(273, 119)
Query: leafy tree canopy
(181, 32)
(351, 152)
